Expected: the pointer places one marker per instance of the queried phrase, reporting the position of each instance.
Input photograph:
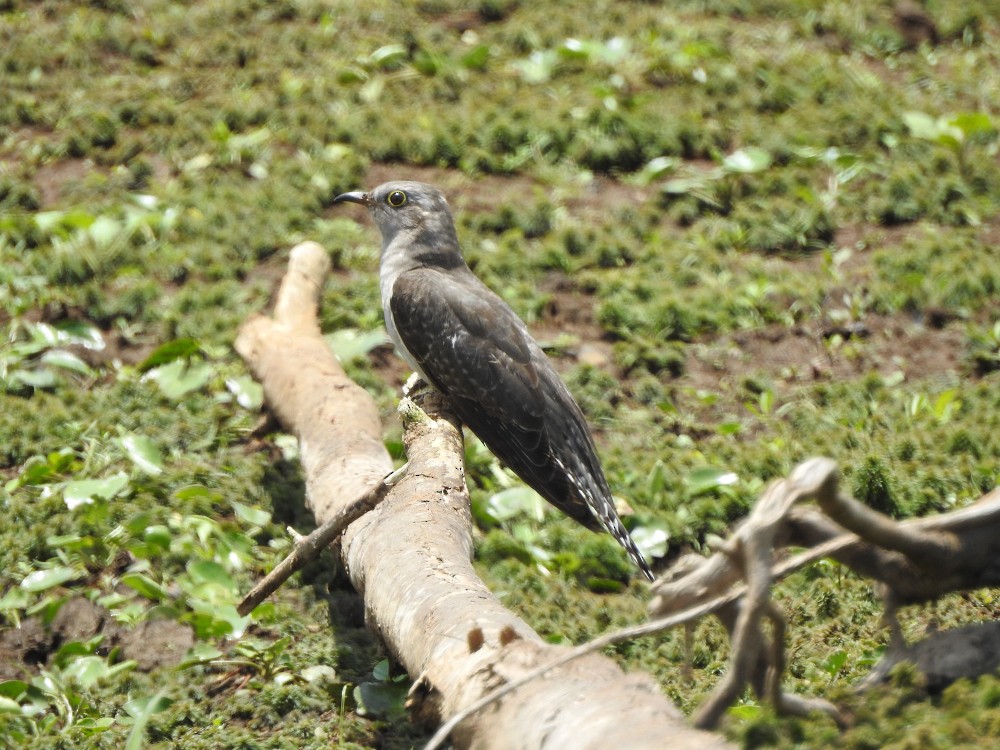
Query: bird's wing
(469, 343)
(479, 354)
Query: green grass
(777, 222)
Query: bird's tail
(591, 490)
(612, 523)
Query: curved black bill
(355, 197)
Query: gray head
(414, 211)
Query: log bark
(411, 556)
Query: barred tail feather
(609, 519)
(603, 509)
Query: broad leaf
(248, 392)
(170, 352)
(516, 501)
(143, 453)
(179, 378)
(41, 580)
(83, 491)
(747, 160)
(145, 586)
(707, 479)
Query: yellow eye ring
(396, 198)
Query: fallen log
(410, 557)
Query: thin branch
(308, 548)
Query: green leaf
(196, 492)
(921, 125)
(707, 479)
(143, 453)
(179, 378)
(476, 58)
(652, 540)
(348, 343)
(151, 704)
(657, 480)
(86, 670)
(835, 662)
(248, 392)
(516, 501)
(66, 361)
(347, 76)
(941, 130)
(170, 352)
(387, 57)
(141, 709)
(381, 671)
(200, 653)
(90, 726)
(14, 599)
(73, 650)
(43, 380)
(8, 706)
(158, 535)
(428, 63)
(380, 699)
(13, 688)
(252, 516)
(104, 230)
(747, 160)
(213, 620)
(40, 580)
(538, 67)
(83, 491)
(52, 221)
(206, 571)
(746, 712)
(729, 428)
(973, 123)
(79, 333)
(683, 185)
(145, 586)
(656, 168)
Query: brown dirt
(883, 344)
(53, 178)
(152, 643)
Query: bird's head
(414, 209)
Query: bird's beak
(356, 197)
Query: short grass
(774, 221)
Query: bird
(465, 341)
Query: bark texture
(411, 556)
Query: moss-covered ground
(748, 232)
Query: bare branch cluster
(912, 561)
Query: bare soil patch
(884, 344)
(53, 178)
(153, 643)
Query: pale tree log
(410, 557)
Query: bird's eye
(396, 198)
